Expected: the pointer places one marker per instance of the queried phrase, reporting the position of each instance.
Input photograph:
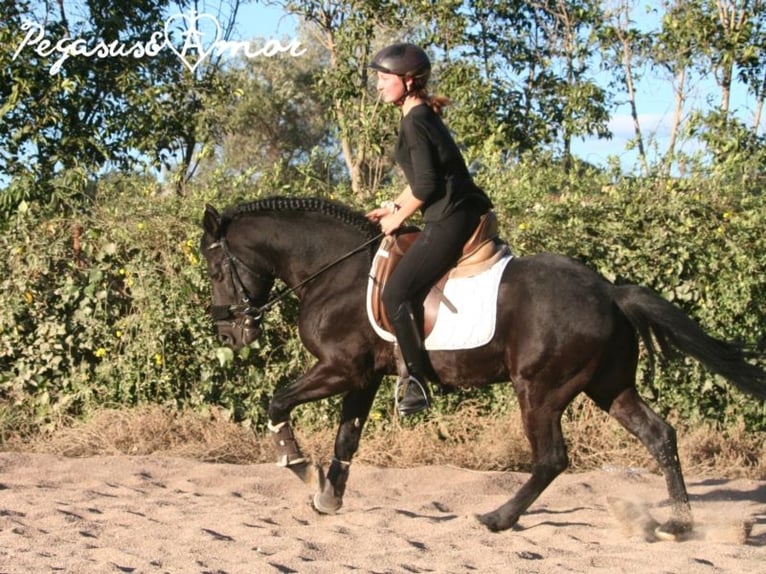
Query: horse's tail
(658, 320)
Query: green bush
(89, 318)
(697, 245)
(106, 304)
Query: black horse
(562, 330)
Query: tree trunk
(677, 114)
(627, 61)
(759, 106)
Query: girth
(480, 252)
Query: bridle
(247, 308)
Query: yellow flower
(100, 352)
(523, 226)
(158, 359)
(29, 298)
(118, 333)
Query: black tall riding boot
(408, 335)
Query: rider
(440, 186)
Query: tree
(274, 124)
(347, 30)
(119, 97)
(735, 23)
(623, 42)
(719, 39)
(186, 100)
(752, 62)
(64, 112)
(538, 59)
(571, 28)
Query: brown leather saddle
(482, 250)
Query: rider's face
(390, 87)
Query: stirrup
(414, 396)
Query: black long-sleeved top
(434, 167)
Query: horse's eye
(216, 274)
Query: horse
(561, 330)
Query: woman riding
(440, 187)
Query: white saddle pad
(468, 320)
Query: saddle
(482, 250)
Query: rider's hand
(377, 214)
(390, 223)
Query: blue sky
(256, 21)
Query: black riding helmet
(405, 60)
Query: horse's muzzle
(240, 332)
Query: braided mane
(334, 209)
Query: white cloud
(656, 125)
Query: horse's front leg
(356, 409)
(290, 456)
(321, 381)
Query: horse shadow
(726, 493)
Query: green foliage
(697, 244)
(74, 112)
(105, 300)
(271, 128)
(108, 305)
(734, 155)
(62, 113)
(534, 67)
(88, 316)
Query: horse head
(240, 286)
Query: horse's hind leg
(356, 408)
(542, 426)
(660, 439)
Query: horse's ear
(211, 221)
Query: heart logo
(200, 32)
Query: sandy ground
(157, 514)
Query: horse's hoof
(492, 521)
(673, 531)
(326, 504)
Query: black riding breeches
(433, 253)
